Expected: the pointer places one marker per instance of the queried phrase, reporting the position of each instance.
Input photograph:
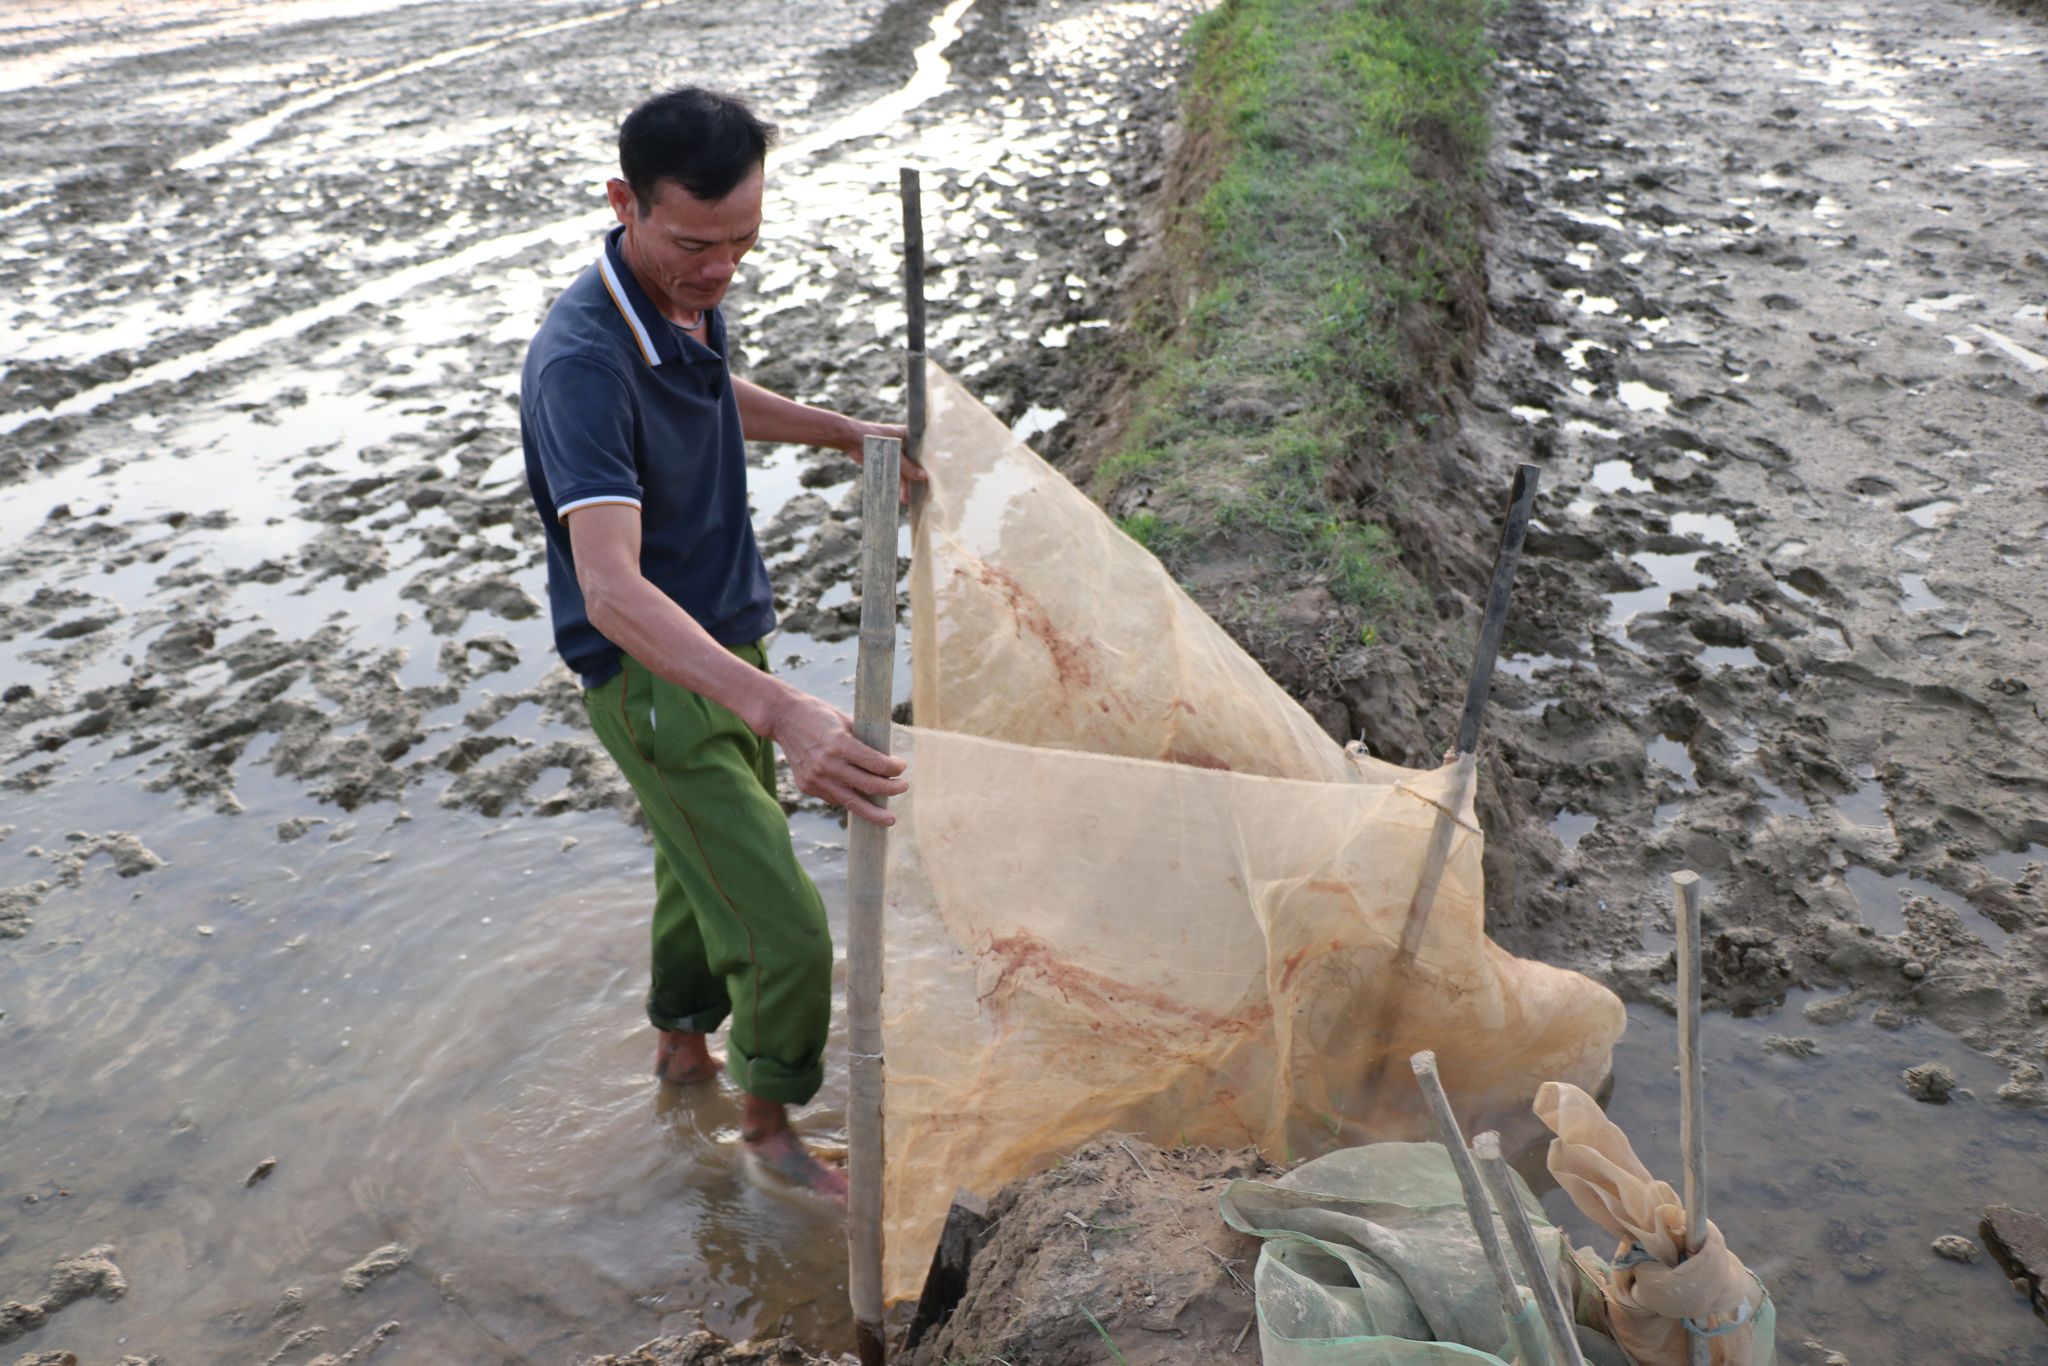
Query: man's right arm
(824, 757)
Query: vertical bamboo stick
(1514, 530)
(1448, 1134)
(1444, 829)
(866, 859)
(1685, 892)
(1440, 836)
(1556, 1319)
(913, 307)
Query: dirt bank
(1276, 416)
(705, 1348)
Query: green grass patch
(1341, 142)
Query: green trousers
(739, 928)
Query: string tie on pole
(1635, 1256)
(1741, 1317)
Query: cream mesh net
(1082, 938)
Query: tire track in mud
(244, 136)
(305, 199)
(866, 121)
(1770, 285)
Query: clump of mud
(73, 1279)
(1122, 1244)
(705, 1348)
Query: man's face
(688, 248)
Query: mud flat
(1784, 364)
(1768, 290)
(297, 810)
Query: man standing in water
(633, 427)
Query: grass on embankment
(1320, 281)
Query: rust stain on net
(1028, 963)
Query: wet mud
(1768, 291)
(1121, 1242)
(297, 810)
(708, 1349)
(1778, 361)
(299, 807)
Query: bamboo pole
(1514, 530)
(1507, 556)
(1492, 1166)
(1685, 892)
(866, 868)
(913, 308)
(1481, 1214)
(1440, 836)
(1444, 828)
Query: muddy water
(1770, 292)
(1831, 1181)
(304, 846)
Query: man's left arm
(766, 416)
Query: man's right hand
(826, 760)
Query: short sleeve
(583, 425)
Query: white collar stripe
(618, 293)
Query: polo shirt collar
(659, 339)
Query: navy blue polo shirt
(618, 405)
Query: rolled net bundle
(1083, 938)
(1653, 1289)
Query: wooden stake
(866, 869)
(1444, 829)
(1448, 1134)
(1514, 530)
(913, 308)
(1685, 893)
(1440, 835)
(1486, 1147)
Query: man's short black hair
(705, 141)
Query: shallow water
(433, 1024)
(1819, 1174)
(282, 377)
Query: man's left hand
(857, 448)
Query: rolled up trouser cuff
(691, 1022)
(771, 1079)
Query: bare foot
(684, 1059)
(788, 1162)
(777, 1151)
